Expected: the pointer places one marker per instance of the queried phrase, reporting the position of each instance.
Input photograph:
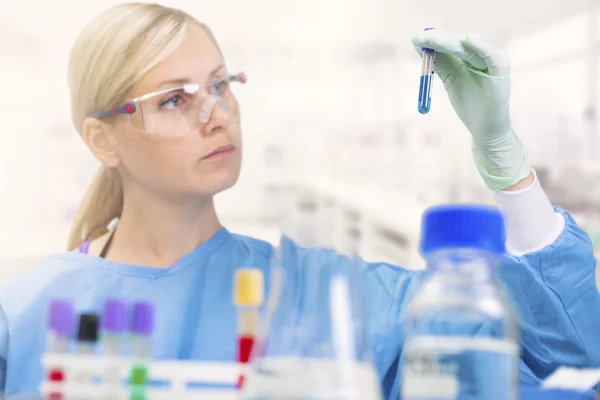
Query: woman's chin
(218, 181)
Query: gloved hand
(477, 79)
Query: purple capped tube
(141, 328)
(114, 325)
(61, 322)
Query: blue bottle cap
(463, 226)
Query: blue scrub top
(554, 291)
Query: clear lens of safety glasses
(179, 110)
(209, 104)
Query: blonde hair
(112, 53)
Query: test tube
(427, 72)
(248, 297)
(60, 326)
(142, 325)
(114, 326)
(60, 331)
(87, 338)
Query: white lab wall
(330, 105)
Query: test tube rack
(208, 380)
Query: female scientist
(151, 98)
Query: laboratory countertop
(525, 394)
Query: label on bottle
(453, 367)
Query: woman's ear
(98, 136)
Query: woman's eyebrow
(184, 80)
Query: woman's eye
(172, 102)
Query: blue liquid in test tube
(427, 65)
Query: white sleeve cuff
(531, 222)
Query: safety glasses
(178, 110)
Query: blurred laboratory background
(330, 116)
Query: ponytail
(102, 202)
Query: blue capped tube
(428, 62)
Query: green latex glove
(477, 79)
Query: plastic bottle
(461, 335)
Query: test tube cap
(142, 318)
(249, 287)
(426, 49)
(115, 316)
(88, 328)
(61, 318)
(139, 375)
